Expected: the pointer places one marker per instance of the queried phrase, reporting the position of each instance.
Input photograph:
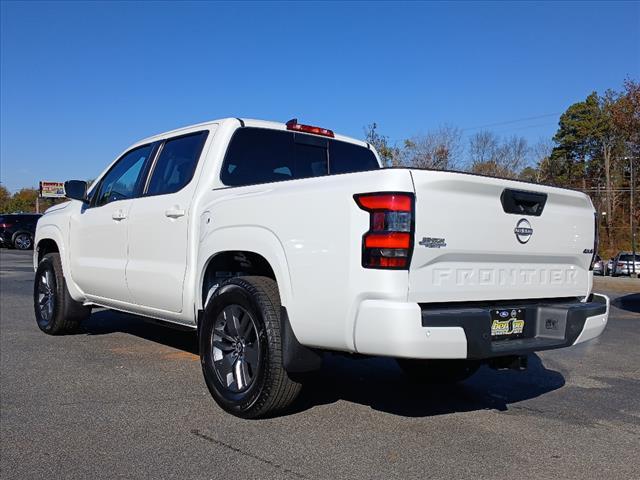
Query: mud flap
(296, 358)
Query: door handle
(174, 212)
(118, 215)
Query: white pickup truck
(279, 242)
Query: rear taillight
(389, 241)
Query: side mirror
(76, 190)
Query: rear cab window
(259, 155)
(176, 163)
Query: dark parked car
(17, 230)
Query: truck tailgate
(479, 238)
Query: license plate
(507, 323)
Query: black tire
(438, 371)
(64, 314)
(23, 241)
(258, 385)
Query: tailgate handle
(521, 202)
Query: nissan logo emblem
(523, 230)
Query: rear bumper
(409, 330)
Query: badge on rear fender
(431, 242)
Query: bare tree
(490, 155)
(482, 147)
(440, 149)
(541, 156)
(513, 155)
(390, 155)
(542, 149)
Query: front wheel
(241, 349)
(56, 312)
(438, 371)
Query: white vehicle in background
(609, 269)
(626, 264)
(599, 266)
(279, 242)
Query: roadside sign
(52, 189)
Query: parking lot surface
(125, 398)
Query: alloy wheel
(235, 348)
(46, 295)
(23, 241)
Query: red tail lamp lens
(400, 202)
(389, 241)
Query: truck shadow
(630, 302)
(380, 384)
(103, 322)
(375, 382)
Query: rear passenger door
(159, 225)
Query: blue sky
(81, 81)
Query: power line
(502, 131)
(507, 122)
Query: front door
(99, 230)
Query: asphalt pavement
(125, 398)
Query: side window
(346, 158)
(257, 155)
(176, 164)
(122, 181)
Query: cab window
(124, 179)
(176, 163)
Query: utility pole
(631, 214)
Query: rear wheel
(56, 312)
(438, 371)
(241, 349)
(23, 241)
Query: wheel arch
(49, 239)
(45, 246)
(255, 250)
(262, 254)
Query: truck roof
(248, 122)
